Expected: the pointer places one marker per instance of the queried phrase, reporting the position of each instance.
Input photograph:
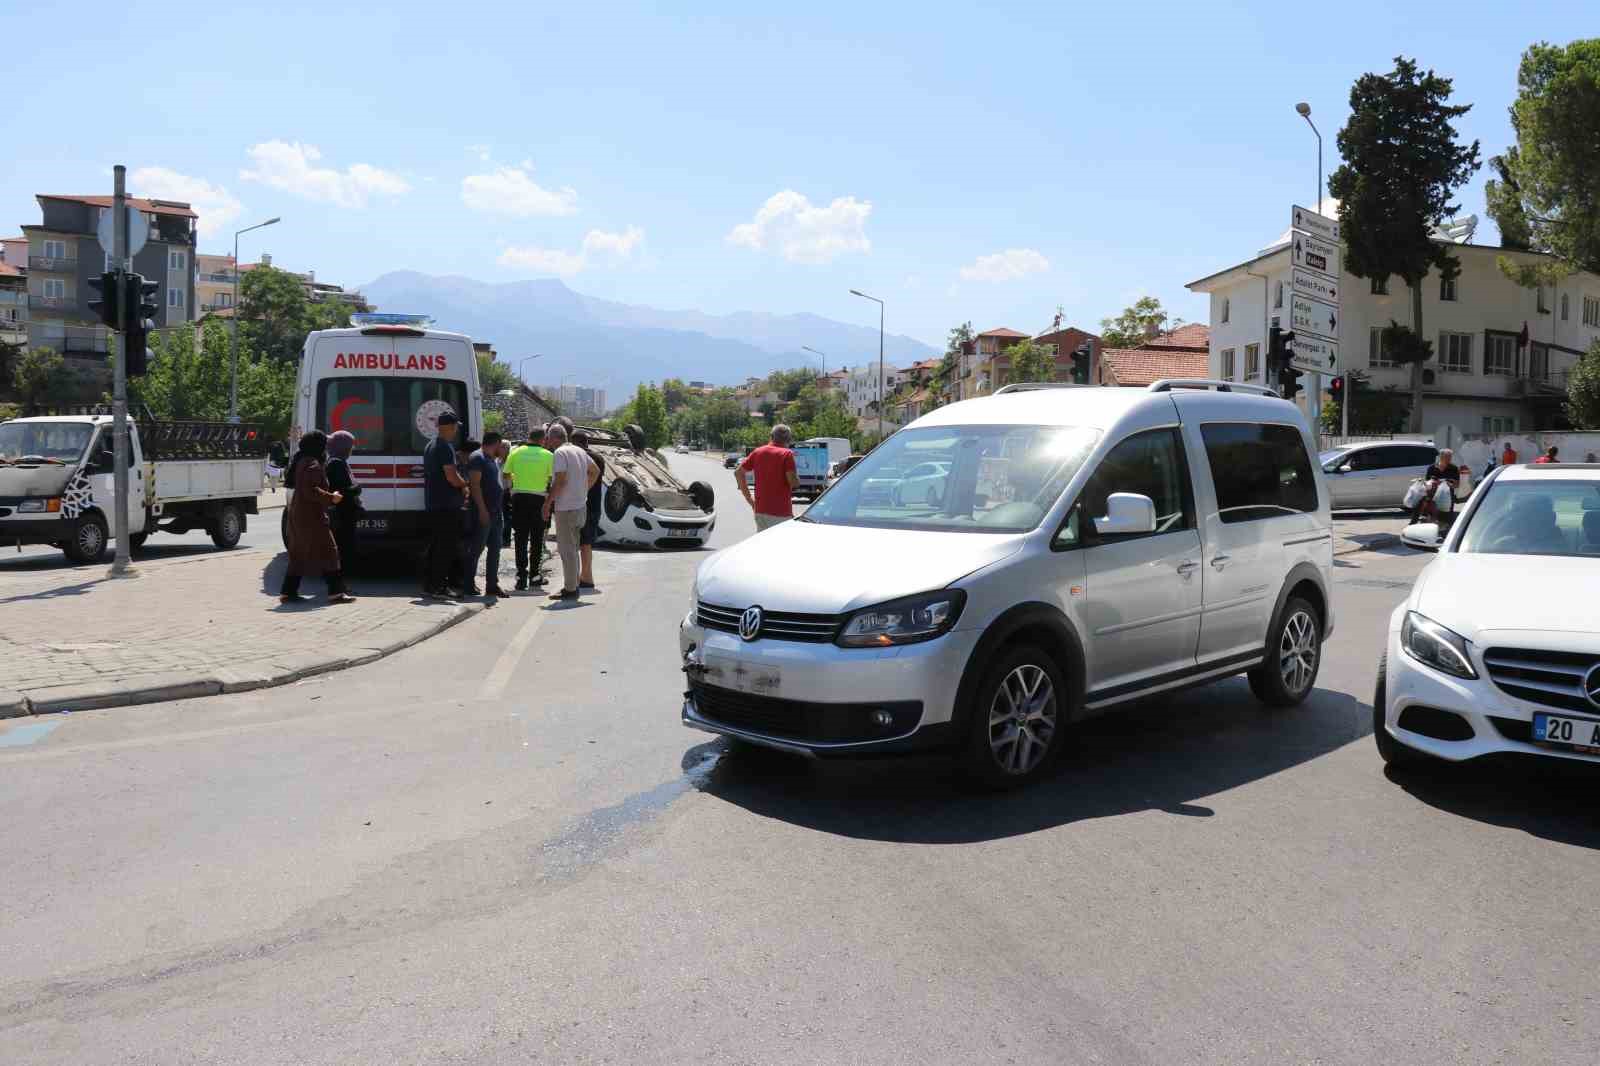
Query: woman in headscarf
(348, 510)
(311, 545)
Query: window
(55, 249)
(1455, 353)
(382, 412)
(1277, 295)
(1261, 470)
(1377, 355)
(1538, 362)
(1496, 424)
(1252, 362)
(177, 261)
(1226, 307)
(1151, 464)
(1227, 364)
(1566, 304)
(55, 289)
(1591, 311)
(1447, 289)
(175, 298)
(1543, 301)
(1380, 286)
(1500, 355)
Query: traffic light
(142, 308)
(1080, 364)
(1336, 389)
(104, 304)
(1279, 369)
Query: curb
(1378, 541)
(161, 688)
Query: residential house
(1064, 342)
(14, 251)
(214, 284)
(64, 253)
(13, 308)
(1481, 379)
(974, 366)
(863, 388)
(1180, 353)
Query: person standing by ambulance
(528, 467)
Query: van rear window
(385, 413)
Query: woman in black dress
(347, 512)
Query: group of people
(1444, 470)
(478, 498)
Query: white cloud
(598, 246)
(803, 232)
(512, 191)
(289, 167)
(479, 150)
(1009, 265)
(215, 205)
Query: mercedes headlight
(906, 621)
(1433, 645)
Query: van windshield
(979, 479)
(388, 415)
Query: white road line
(495, 684)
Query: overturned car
(645, 506)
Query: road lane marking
(495, 684)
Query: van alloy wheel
(1297, 652)
(1022, 719)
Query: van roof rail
(1168, 384)
(1032, 386)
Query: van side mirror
(1424, 536)
(1127, 512)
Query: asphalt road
(501, 846)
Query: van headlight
(1433, 645)
(40, 505)
(906, 621)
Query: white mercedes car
(1497, 649)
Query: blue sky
(960, 162)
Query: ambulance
(387, 379)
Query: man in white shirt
(573, 472)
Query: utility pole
(119, 394)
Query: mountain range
(596, 342)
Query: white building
(861, 387)
(1479, 381)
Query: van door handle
(1219, 561)
(1187, 567)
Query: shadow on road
(1163, 755)
(1547, 798)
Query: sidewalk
(1362, 531)
(191, 627)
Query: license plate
(683, 532)
(1581, 733)
(373, 525)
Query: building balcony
(51, 303)
(216, 306)
(79, 343)
(214, 279)
(52, 264)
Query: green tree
(1136, 324)
(189, 377)
(788, 383)
(1031, 362)
(40, 375)
(832, 420)
(1503, 196)
(1583, 390)
(804, 406)
(9, 354)
(675, 394)
(1372, 410)
(1553, 172)
(1402, 163)
(650, 413)
(273, 313)
(723, 414)
(494, 376)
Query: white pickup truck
(57, 481)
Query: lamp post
(233, 386)
(524, 362)
(822, 358)
(874, 299)
(1304, 110)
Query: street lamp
(874, 299)
(822, 358)
(524, 362)
(233, 386)
(1305, 112)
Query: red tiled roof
(1193, 335)
(1002, 332)
(18, 237)
(1142, 366)
(162, 208)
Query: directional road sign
(1315, 355)
(1313, 316)
(1315, 286)
(1307, 221)
(1313, 253)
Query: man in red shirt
(776, 479)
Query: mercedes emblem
(1591, 684)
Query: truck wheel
(228, 528)
(619, 494)
(702, 495)
(87, 544)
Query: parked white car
(1090, 547)
(1497, 649)
(1376, 474)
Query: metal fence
(193, 439)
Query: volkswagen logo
(1591, 684)
(750, 623)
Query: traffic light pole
(119, 395)
(1344, 406)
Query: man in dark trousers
(442, 490)
(528, 467)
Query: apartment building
(64, 253)
(863, 389)
(578, 401)
(1482, 379)
(13, 308)
(214, 284)
(315, 291)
